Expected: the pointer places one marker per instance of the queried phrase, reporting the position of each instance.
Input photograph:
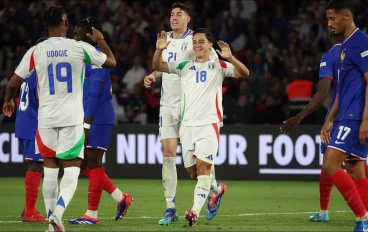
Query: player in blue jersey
(25, 131)
(348, 142)
(327, 84)
(100, 117)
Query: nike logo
(337, 142)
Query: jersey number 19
(63, 74)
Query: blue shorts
(346, 139)
(99, 137)
(323, 146)
(29, 150)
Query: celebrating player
(327, 82)
(59, 64)
(201, 80)
(348, 142)
(99, 115)
(25, 131)
(179, 49)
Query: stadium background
(281, 43)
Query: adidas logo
(192, 68)
(202, 195)
(209, 157)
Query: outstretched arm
(240, 70)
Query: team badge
(342, 58)
(184, 46)
(211, 65)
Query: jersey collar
(185, 34)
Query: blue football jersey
(328, 69)
(94, 76)
(27, 111)
(352, 64)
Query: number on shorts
(345, 134)
(172, 55)
(201, 76)
(63, 74)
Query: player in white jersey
(200, 110)
(179, 49)
(59, 63)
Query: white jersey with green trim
(59, 64)
(201, 90)
(178, 50)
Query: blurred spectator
(135, 75)
(137, 107)
(243, 110)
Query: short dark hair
(182, 7)
(207, 33)
(40, 40)
(88, 23)
(53, 17)
(339, 5)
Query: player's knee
(94, 162)
(169, 151)
(192, 171)
(35, 166)
(203, 169)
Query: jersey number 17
(63, 74)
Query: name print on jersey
(60, 53)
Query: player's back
(105, 110)
(59, 63)
(26, 116)
(352, 86)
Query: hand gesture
(289, 124)
(326, 133)
(96, 35)
(162, 42)
(225, 50)
(8, 108)
(363, 131)
(148, 80)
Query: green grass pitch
(247, 206)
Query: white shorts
(65, 143)
(169, 122)
(201, 142)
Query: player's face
(201, 46)
(336, 21)
(178, 19)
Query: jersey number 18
(61, 76)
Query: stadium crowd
(281, 42)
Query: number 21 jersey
(59, 64)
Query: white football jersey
(178, 50)
(201, 85)
(59, 63)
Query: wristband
(86, 125)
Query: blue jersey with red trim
(328, 69)
(352, 65)
(26, 116)
(97, 95)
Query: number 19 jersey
(59, 64)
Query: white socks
(68, 185)
(169, 180)
(50, 189)
(321, 212)
(92, 213)
(117, 195)
(201, 192)
(215, 187)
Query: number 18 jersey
(59, 64)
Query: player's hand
(326, 133)
(289, 124)
(363, 131)
(96, 35)
(8, 108)
(86, 136)
(148, 80)
(162, 42)
(225, 50)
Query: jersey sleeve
(27, 65)
(362, 58)
(177, 67)
(325, 66)
(92, 55)
(227, 69)
(213, 54)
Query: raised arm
(98, 37)
(240, 70)
(157, 62)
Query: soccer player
(59, 64)
(327, 82)
(25, 131)
(348, 142)
(179, 49)
(201, 79)
(99, 115)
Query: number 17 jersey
(59, 64)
